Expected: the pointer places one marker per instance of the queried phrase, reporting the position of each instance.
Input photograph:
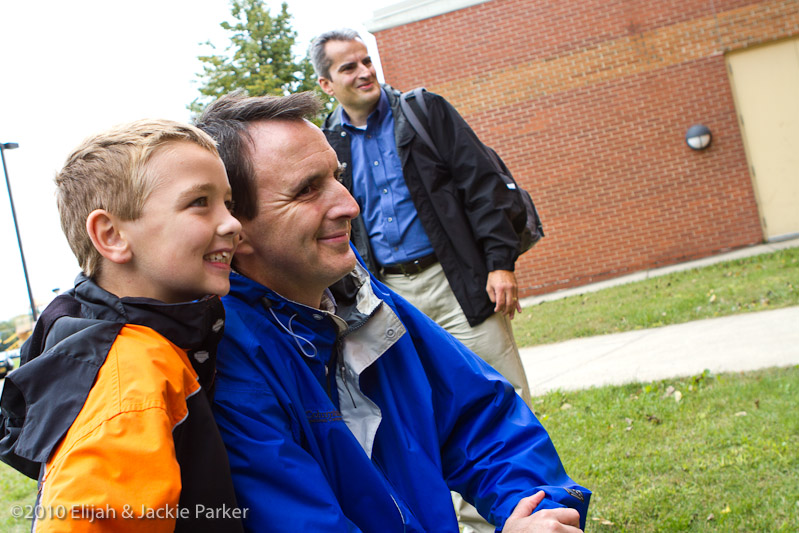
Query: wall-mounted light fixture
(698, 137)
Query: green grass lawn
(16, 492)
(708, 453)
(767, 281)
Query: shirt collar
(328, 302)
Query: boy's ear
(103, 229)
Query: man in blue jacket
(343, 407)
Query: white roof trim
(414, 10)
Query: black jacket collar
(41, 399)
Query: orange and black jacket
(110, 410)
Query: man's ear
(245, 244)
(104, 231)
(244, 252)
(326, 85)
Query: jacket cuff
(501, 263)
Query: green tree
(258, 60)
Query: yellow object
(765, 82)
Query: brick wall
(588, 102)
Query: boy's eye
(202, 201)
(231, 206)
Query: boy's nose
(230, 225)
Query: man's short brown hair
(109, 171)
(228, 119)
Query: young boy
(111, 408)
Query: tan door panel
(765, 82)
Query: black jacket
(43, 403)
(462, 202)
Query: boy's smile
(184, 240)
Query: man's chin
(351, 260)
(371, 95)
(347, 264)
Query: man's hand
(502, 290)
(522, 519)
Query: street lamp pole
(3, 148)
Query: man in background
(436, 232)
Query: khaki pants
(492, 340)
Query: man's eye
(305, 191)
(202, 201)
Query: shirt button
(343, 133)
(318, 317)
(390, 333)
(385, 191)
(390, 219)
(376, 163)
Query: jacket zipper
(343, 371)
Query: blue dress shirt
(395, 231)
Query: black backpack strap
(411, 114)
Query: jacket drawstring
(296, 336)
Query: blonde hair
(109, 171)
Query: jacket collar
(190, 325)
(354, 299)
(337, 136)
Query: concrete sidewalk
(736, 343)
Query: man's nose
(364, 71)
(344, 205)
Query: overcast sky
(71, 69)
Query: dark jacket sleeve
(485, 198)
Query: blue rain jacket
(365, 419)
